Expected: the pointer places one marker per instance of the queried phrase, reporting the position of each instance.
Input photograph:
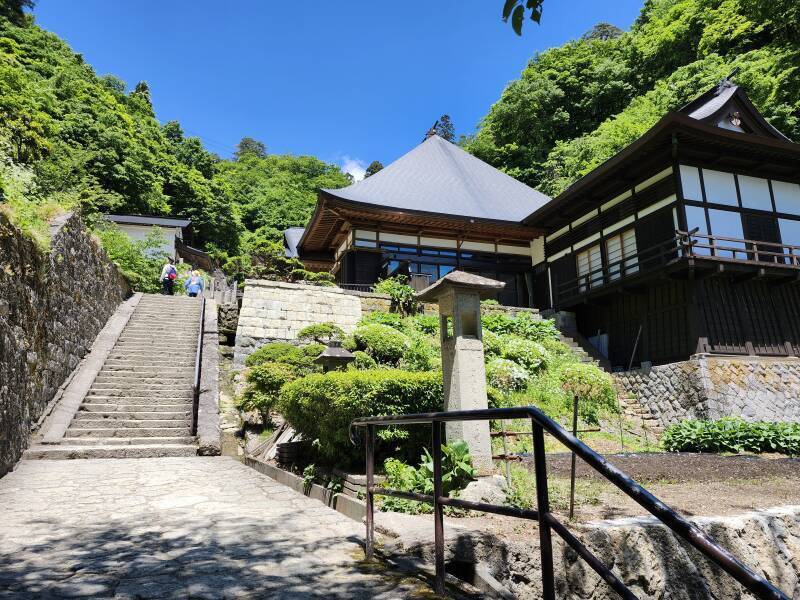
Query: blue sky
(349, 81)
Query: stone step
(139, 399)
(88, 423)
(125, 378)
(121, 383)
(147, 355)
(110, 432)
(164, 340)
(132, 441)
(116, 364)
(181, 327)
(115, 415)
(64, 452)
(133, 409)
(129, 348)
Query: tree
(248, 145)
(516, 9)
(603, 31)
(142, 91)
(14, 10)
(373, 168)
(445, 129)
(173, 132)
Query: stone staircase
(140, 403)
(639, 417)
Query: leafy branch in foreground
(516, 9)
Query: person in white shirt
(168, 275)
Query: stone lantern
(334, 357)
(459, 296)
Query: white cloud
(356, 167)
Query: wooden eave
(334, 216)
(675, 135)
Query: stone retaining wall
(52, 306)
(276, 311)
(706, 387)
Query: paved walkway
(176, 528)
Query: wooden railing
(686, 244)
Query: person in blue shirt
(194, 284)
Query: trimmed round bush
(264, 383)
(322, 333)
(506, 375)
(594, 388)
(526, 353)
(421, 355)
(382, 342)
(321, 407)
(282, 352)
(363, 361)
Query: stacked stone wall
(52, 306)
(705, 387)
(277, 311)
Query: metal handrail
(541, 423)
(198, 360)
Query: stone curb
(58, 421)
(208, 436)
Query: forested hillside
(577, 105)
(71, 138)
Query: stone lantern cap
(333, 353)
(461, 281)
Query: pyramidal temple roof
(440, 177)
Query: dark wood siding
(749, 317)
(563, 270)
(651, 231)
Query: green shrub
(264, 385)
(457, 472)
(393, 320)
(321, 406)
(363, 361)
(427, 324)
(421, 355)
(402, 294)
(497, 399)
(528, 354)
(301, 357)
(558, 349)
(384, 343)
(733, 434)
(593, 387)
(525, 325)
(139, 261)
(506, 375)
(322, 333)
(492, 345)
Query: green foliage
(457, 472)
(373, 168)
(421, 355)
(302, 358)
(385, 344)
(427, 324)
(363, 361)
(492, 344)
(139, 261)
(400, 292)
(506, 375)
(264, 385)
(523, 325)
(321, 406)
(593, 387)
(393, 320)
(322, 333)
(732, 434)
(576, 105)
(517, 9)
(530, 355)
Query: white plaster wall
(140, 232)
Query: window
(787, 197)
(590, 271)
(621, 254)
(726, 223)
(790, 231)
(755, 193)
(429, 270)
(696, 219)
(690, 182)
(720, 187)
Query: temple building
(687, 241)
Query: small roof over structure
(461, 280)
(148, 220)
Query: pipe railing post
(438, 509)
(370, 443)
(543, 506)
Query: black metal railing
(357, 287)
(548, 523)
(198, 361)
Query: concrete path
(176, 528)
